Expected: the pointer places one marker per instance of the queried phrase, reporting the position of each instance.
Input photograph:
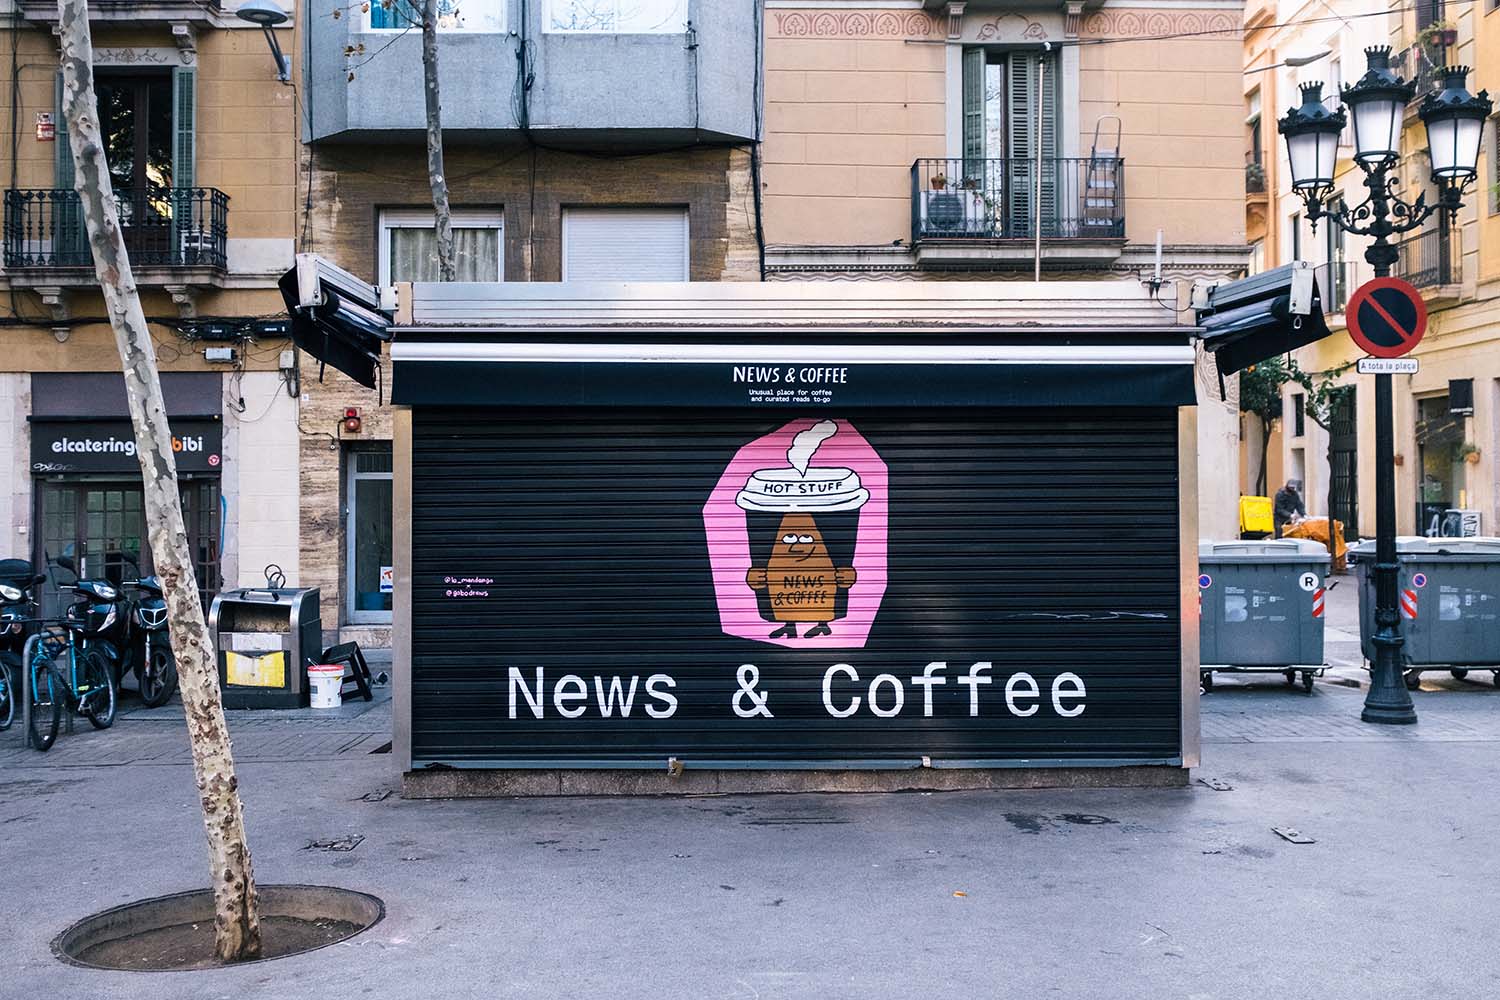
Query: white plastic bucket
(326, 682)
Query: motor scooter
(17, 613)
(148, 650)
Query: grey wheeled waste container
(1448, 597)
(1262, 608)
(265, 638)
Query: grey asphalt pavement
(1077, 894)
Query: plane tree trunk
(442, 215)
(236, 921)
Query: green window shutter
(973, 94)
(62, 150)
(184, 105)
(1023, 136)
(1020, 127)
(1054, 176)
(70, 246)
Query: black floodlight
(1262, 316)
(336, 317)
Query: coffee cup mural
(795, 528)
(803, 524)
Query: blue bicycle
(7, 693)
(83, 682)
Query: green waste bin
(1448, 597)
(1261, 608)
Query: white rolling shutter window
(625, 244)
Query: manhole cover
(176, 933)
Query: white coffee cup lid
(789, 491)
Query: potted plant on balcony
(939, 181)
(1440, 33)
(1469, 452)
(1255, 178)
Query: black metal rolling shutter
(573, 541)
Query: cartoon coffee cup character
(803, 521)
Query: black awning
(791, 374)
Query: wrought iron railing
(1423, 63)
(164, 227)
(958, 198)
(1429, 259)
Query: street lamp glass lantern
(1376, 103)
(1455, 122)
(1312, 140)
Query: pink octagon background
(724, 524)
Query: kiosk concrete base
(451, 784)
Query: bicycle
(7, 693)
(88, 687)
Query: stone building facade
(201, 139)
(624, 155)
(953, 141)
(1447, 435)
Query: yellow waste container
(1255, 516)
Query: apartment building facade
(201, 141)
(984, 140)
(583, 141)
(1446, 414)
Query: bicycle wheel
(96, 695)
(7, 693)
(157, 675)
(47, 688)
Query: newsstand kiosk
(791, 536)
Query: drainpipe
(1036, 214)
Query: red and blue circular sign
(1386, 317)
(1205, 581)
(1419, 580)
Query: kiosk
(791, 536)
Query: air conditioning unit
(959, 212)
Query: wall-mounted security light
(268, 15)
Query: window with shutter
(1023, 133)
(974, 112)
(1002, 131)
(184, 136)
(69, 242)
(625, 244)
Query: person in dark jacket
(1288, 505)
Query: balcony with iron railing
(1424, 59)
(993, 209)
(1432, 261)
(1335, 281)
(177, 239)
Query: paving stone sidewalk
(143, 735)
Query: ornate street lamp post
(1454, 119)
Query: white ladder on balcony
(1101, 191)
